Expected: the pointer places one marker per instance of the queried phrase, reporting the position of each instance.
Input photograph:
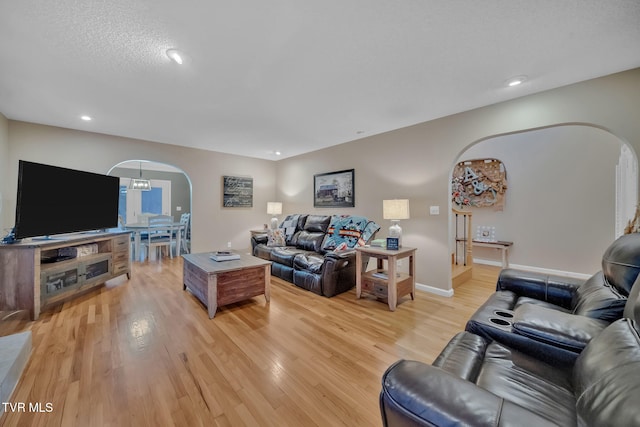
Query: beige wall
(560, 203)
(212, 225)
(6, 217)
(413, 162)
(416, 162)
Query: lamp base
(396, 231)
(274, 223)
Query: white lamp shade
(274, 208)
(395, 209)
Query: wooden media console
(33, 274)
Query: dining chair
(159, 234)
(183, 233)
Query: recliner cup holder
(503, 313)
(499, 322)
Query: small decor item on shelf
(485, 233)
(392, 243)
(224, 256)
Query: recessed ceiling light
(515, 81)
(86, 118)
(175, 56)
(277, 153)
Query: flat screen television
(54, 200)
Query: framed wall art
(237, 192)
(334, 189)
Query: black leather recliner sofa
(308, 257)
(479, 382)
(553, 317)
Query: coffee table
(218, 283)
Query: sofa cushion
(310, 241)
(317, 223)
(310, 262)
(597, 299)
(261, 250)
(275, 238)
(534, 301)
(285, 255)
(528, 382)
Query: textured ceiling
(294, 75)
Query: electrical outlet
(228, 244)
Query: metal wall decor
(479, 183)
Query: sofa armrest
(341, 255)
(558, 290)
(259, 238)
(338, 272)
(414, 393)
(565, 330)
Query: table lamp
(395, 210)
(274, 208)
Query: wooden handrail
(466, 239)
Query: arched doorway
(170, 192)
(565, 197)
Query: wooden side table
(387, 283)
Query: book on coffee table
(224, 256)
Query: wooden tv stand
(28, 281)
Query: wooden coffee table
(217, 283)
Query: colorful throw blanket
(348, 231)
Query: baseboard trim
(535, 269)
(434, 290)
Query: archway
(564, 199)
(170, 193)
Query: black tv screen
(54, 200)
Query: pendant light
(140, 183)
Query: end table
(389, 283)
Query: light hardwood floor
(144, 353)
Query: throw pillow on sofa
(275, 237)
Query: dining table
(138, 228)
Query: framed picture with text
(237, 192)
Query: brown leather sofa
(308, 257)
(478, 382)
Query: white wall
(212, 225)
(416, 162)
(560, 203)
